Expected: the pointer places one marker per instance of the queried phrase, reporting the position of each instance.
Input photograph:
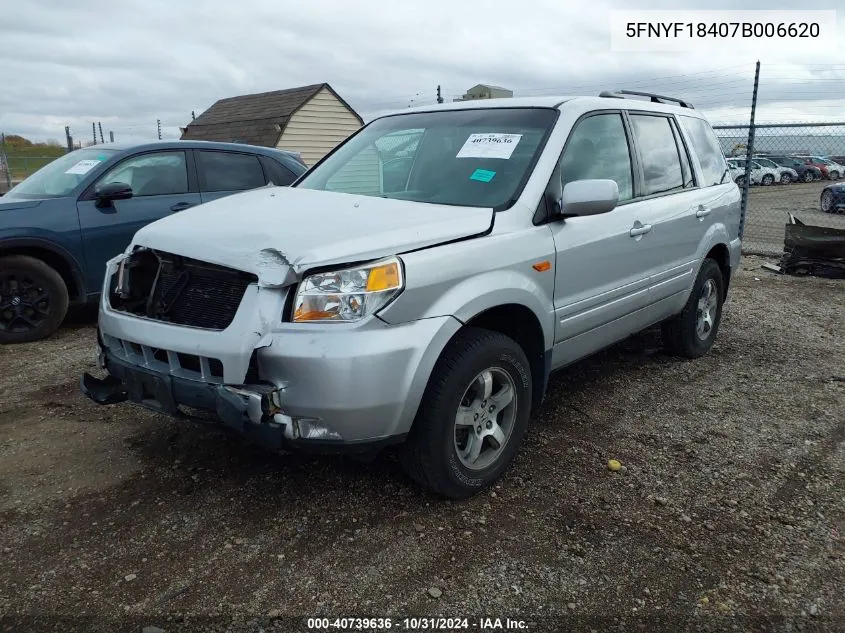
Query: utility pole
(158, 124)
(100, 125)
(193, 117)
(439, 96)
(111, 136)
(69, 138)
(94, 129)
(749, 151)
(4, 160)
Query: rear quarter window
(707, 148)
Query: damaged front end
(156, 288)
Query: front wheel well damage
(54, 261)
(522, 325)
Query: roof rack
(620, 94)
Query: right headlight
(349, 294)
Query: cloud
(132, 63)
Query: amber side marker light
(542, 267)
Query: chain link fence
(796, 168)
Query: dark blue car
(60, 226)
(833, 198)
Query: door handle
(702, 212)
(640, 230)
(181, 206)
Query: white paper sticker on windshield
(83, 167)
(489, 146)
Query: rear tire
(479, 369)
(768, 179)
(33, 299)
(808, 176)
(692, 333)
(834, 175)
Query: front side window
(153, 174)
(228, 171)
(476, 158)
(598, 149)
(661, 161)
(707, 148)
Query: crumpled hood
(277, 232)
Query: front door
(600, 279)
(161, 183)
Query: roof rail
(620, 94)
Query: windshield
(476, 158)
(61, 176)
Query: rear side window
(661, 161)
(708, 149)
(228, 171)
(277, 173)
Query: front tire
(768, 179)
(785, 179)
(692, 333)
(473, 415)
(33, 299)
(808, 176)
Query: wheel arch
(54, 256)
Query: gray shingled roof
(257, 119)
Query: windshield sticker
(489, 146)
(482, 175)
(83, 167)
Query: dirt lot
(730, 511)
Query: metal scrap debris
(811, 250)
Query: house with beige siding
(311, 120)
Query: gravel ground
(728, 513)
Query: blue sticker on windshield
(482, 175)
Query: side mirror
(589, 197)
(107, 193)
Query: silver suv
(419, 284)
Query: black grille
(185, 291)
(193, 293)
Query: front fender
(472, 296)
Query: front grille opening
(184, 291)
(135, 349)
(159, 354)
(189, 362)
(216, 368)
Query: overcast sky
(131, 62)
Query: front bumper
(252, 411)
(338, 386)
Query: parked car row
(770, 169)
(60, 226)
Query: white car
(737, 172)
(787, 174)
(760, 175)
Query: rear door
(162, 183)
(222, 173)
(669, 203)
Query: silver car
(418, 285)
